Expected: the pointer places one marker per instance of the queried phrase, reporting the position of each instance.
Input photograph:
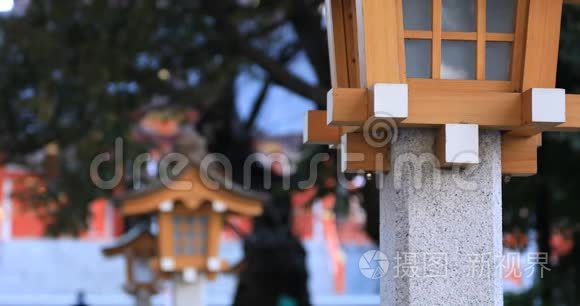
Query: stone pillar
(441, 230)
(189, 294)
(143, 297)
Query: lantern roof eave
(129, 240)
(247, 202)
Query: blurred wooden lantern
(190, 215)
(139, 246)
(454, 65)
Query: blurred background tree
(76, 74)
(547, 204)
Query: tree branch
(307, 24)
(277, 72)
(258, 105)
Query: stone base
(441, 229)
(189, 294)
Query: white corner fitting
(461, 144)
(548, 105)
(190, 275)
(343, 153)
(347, 157)
(214, 264)
(166, 206)
(167, 264)
(305, 132)
(391, 100)
(329, 106)
(218, 206)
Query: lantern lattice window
(190, 235)
(462, 40)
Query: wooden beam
(518, 51)
(380, 43)
(357, 154)
(213, 240)
(379, 37)
(519, 155)
(436, 43)
(342, 43)
(509, 37)
(166, 248)
(495, 110)
(350, 32)
(337, 43)
(460, 85)
(542, 43)
(347, 106)
(481, 32)
(572, 115)
(316, 131)
(429, 108)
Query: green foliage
(78, 73)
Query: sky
(283, 111)
(6, 5)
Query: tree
(552, 196)
(75, 74)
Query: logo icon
(380, 131)
(373, 264)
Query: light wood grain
(350, 31)
(379, 39)
(417, 34)
(459, 35)
(401, 44)
(488, 109)
(166, 248)
(316, 131)
(542, 43)
(481, 35)
(433, 107)
(572, 115)
(518, 52)
(347, 106)
(519, 155)
(506, 37)
(460, 85)
(337, 43)
(436, 45)
(358, 154)
(213, 240)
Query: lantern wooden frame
(138, 242)
(167, 241)
(377, 34)
(196, 201)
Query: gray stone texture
(451, 215)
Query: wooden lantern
(443, 64)
(190, 221)
(139, 246)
